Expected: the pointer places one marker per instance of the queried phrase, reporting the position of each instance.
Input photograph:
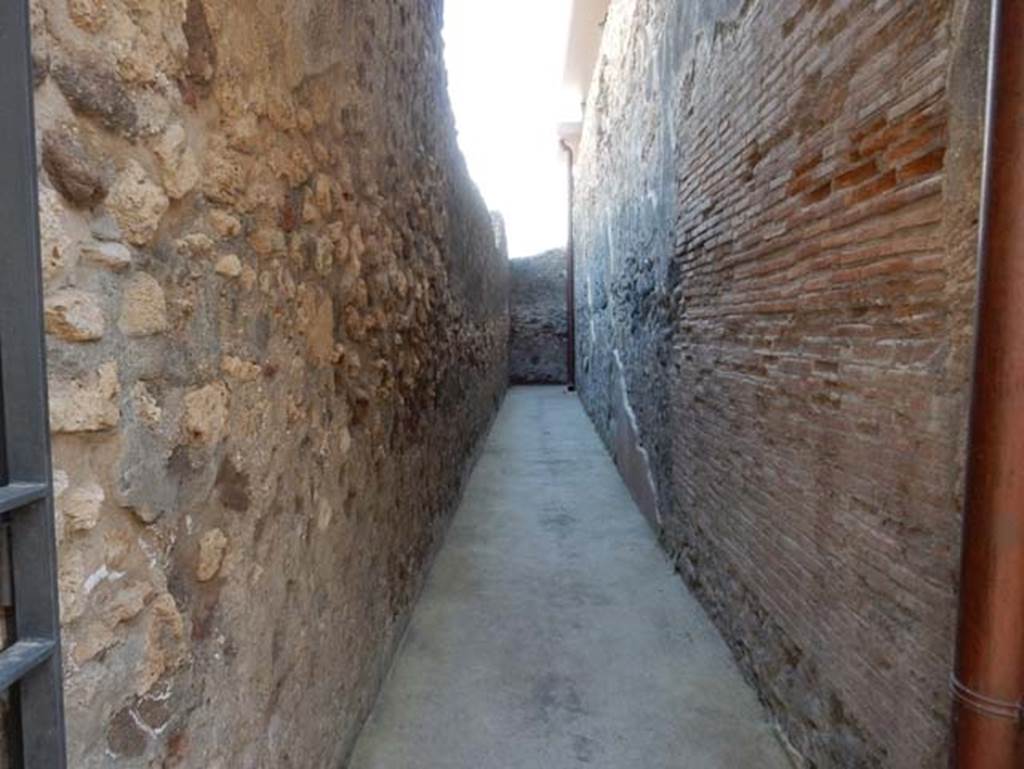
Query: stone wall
(775, 229)
(540, 328)
(277, 324)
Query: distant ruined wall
(775, 229)
(277, 324)
(539, 337)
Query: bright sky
(505, 63)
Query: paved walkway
(552, 631)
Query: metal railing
(30, 665)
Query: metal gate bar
(32, 664)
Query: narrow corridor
(552, 631)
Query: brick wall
(775, 227)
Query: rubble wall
(540, 327)
(277, 323)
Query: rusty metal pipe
(570, 282)
(988, 684)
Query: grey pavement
(552, 631)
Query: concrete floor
(552, 631)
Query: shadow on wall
(540, 330)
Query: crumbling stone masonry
(540, 327)
(775, 229)
(277, 322)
